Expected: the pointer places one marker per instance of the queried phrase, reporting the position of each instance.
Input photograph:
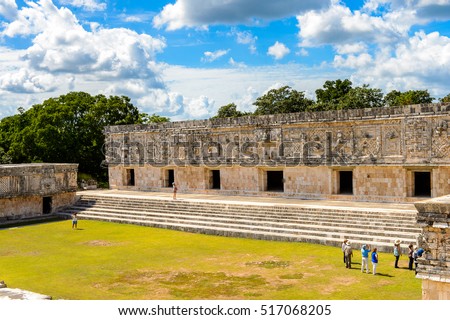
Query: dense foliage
(334, 95)
(67, 129)
(282, 100)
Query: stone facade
(434, 266)
(29, 190)
(381, 154)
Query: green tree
(445, 99)
(282, 100)
(229, 111)
(154, 118)
(391, 99)
(361, 97)
(397, 98)
(332, 94)
(65, 129)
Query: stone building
(434, 266)
(391, 154)
(35, 189)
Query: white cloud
(198, 13)
(339, 25)
(62, 45)
(243, 86)
(200, 107)
(236, 64)
(278, 50)
(23, 81)
(90, 5)
(161, 102)
(434, 9)
(247, 38)
(8, 9)
(302, 52)
(421, 63)
(209, 56)
(38, 17)
(352, 61)
(351, 48)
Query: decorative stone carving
(434, 266)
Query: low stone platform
(322, 222)
(18, 294)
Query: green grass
(114, 261)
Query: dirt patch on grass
(196, 285)
(269, 264)
(293, 276)
(211, 285)
(337, 283)
(99, 243)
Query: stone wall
(28, 190)
(383, 147)
(434, 266)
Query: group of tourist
(413, 254)
(365, 251)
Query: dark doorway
(215, 179)
(275, 181)
(170, 177)
(422, 184)
(346, 182)
(130, 177)
(47, 205)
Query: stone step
(230, 204)
(261, 218)
(168, 205)
(258, 213)
(281, 227)
(384, 244)
(327, 225)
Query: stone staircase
(322, 225)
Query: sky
(184, 59)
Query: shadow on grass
(384, 275)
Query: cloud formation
(423, 62)
(90, 5)
(209, 56)
(278, 50)
(8, 9)
(201, 13)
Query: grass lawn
(115, 261)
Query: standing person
(348, 255)
(344, 244)
(175, 189)
(410, 256)
(397, 252)
(374, 261)
(74, 221)
(365, 249)
(415, 256)
(418, 253)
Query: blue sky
(186, 58)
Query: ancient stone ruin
(434, 265)
(382, 154)
(36, 189)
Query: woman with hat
(397, 251)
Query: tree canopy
(229, 111)
(67, 129)
(397, 98)
(282, 100)
(445, 99)
(334, 95)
